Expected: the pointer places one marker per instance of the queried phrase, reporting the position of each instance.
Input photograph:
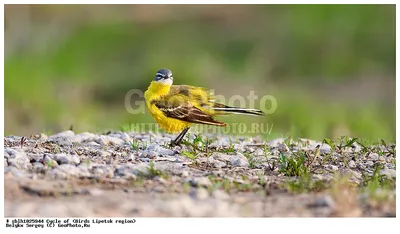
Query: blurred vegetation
(330, 67)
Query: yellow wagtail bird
(176, 107)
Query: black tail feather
(237, 110)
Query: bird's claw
(172, 143)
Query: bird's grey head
(163, 74)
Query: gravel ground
(120, 174)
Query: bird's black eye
(159, 76)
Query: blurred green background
(331, 68)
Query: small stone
(276, 142)
(199, 193)
(14, 153)
(334, 168)
(220, 195)
(43, 136)
(14, 172)
(67, 159)
(258, 152)
(131, 157)
(17, 158)
(155, 150)
(133, 169)
(38, 168)
(35, 157)
(65, 171)
(369, 163)
(160, 180)
(391, 173)
(107, 140)
(352, 164)
(200, 181)
(356, 175)
(92, 143)
(49, 162)
(62, 138)
(312, 145)
(325, 201)
(239, 161)
(382, 159)
(185, 174)
(125, 137)
(219, 164)
(68, 134)
(106, 171)
(283, 148)
(85, 137)
(98, 171)
(373, 156)
(96, 192)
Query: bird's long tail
(223, 109)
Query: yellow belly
(170, 125)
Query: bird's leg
(179, 138)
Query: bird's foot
(173, 143)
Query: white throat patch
(164, 81)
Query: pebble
(107, 140)
(373, 156)
(85, 137)
(391, 173)
(133, 169)
(369, 163)
(92, 143)
(199, 193)
(239, 160)
(66, 134)
(220, 195)
(276, 142)
(125, 137)
(63, 138)
(14, 172)
(67, 159)
(200, 181)
(17, 159)
(145, 159)
(331, 167)
(312, 145)
(283, 148)
(38, 168)
(154, 150)
(43, 136)
(96, 192)
(49, 161)
(66, 171)
(352, 164)
(325, 201)
(106, 171)
(218, 164)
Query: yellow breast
(170, 125)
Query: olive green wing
(179, 106)
(198, 96)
